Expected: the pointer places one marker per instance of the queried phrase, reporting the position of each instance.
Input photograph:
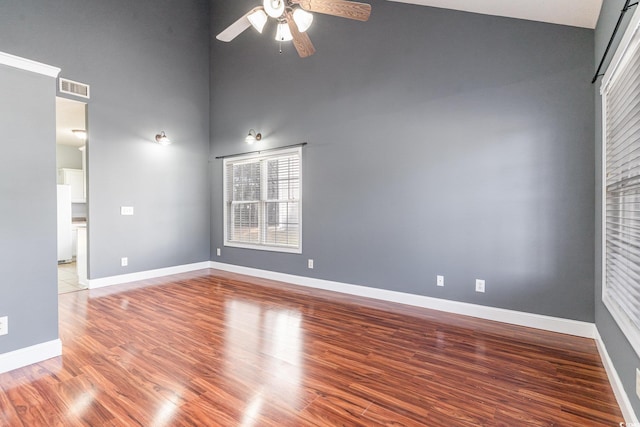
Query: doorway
(71, 140)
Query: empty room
(320, 213)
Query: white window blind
(263, 203)
(621, 133)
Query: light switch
(126, 210)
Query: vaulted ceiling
(576, 13)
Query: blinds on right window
(621, 185)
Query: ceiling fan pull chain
(280, 47)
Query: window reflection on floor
(264, 347)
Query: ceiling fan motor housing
(274, 8)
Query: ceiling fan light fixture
(274, 8)
(258, 19)
(283, 33)
(293, 19)
(303, 19)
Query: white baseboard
(143, 275)
(554, 324)
(37, 353)
(618, 389)
(29, 355)
(548, 323)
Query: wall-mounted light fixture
(162, 139)
(80, 134)
(253, 137)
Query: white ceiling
(69, 115)
(576, 13)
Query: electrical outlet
(126, 210)
(124, 261)
(479, 285)
(218, 251)
(4, 325)
(440, 280)
(637, 381)
(310, 263)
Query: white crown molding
(548, 323)
(29, 355)
(618, 389)
(143, 275)
(28, 65)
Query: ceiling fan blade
(234, 30)
(341, 8)
(301, 41)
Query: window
(262, 201)
(621, 185)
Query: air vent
(74, 88)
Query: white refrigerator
(64, 224)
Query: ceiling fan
(294, 19)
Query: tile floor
(68, 278)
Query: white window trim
(274, 153)
(629, 41)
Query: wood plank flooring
(210, 348)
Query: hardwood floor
(217, 349)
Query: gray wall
(440, 142)
(622, 354)
(147, 64)
(28, 288)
